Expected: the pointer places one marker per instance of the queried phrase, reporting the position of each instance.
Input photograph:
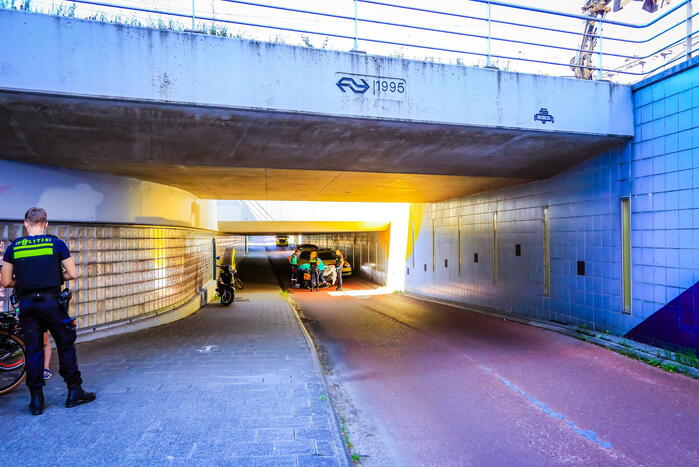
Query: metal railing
(480, 32)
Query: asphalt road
(428, 384)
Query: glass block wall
(127, 272)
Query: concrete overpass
(234, 119)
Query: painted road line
(587, 434)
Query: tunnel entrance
(364, 255)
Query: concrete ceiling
(222, 153)
(307, 185)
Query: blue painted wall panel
(658, 170)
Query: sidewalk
(234, 386)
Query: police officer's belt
(39, 295)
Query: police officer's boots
(79, 396)
(36, 405)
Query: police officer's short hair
(35, 215)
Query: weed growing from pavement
(669, 367)
(356, 458)
(688, 358)
(324, 363)
(326, 367)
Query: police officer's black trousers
(314, 277)
(37, 316)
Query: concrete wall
(659, 171)
(79, 57)
(136, 244)
(78, 196)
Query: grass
(306, 41)
(208, 27)
(669, 367)
(688, 358)
(205, 27)
(356, 458)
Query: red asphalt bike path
(446, 386)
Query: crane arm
(581, 64)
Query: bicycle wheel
(238, 284)
(12, 362)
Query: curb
(621, 345)
(319, 369)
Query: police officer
(294, 261)
(316, 266)
(339, 264)
(37, 266)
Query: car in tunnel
(328, 257)
(282, 240)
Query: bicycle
(13, 351)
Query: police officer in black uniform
(37, 266)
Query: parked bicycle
(12, 350)
(237, 283)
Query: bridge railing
(499, 34)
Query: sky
(226, 10)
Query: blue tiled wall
(658, 170)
